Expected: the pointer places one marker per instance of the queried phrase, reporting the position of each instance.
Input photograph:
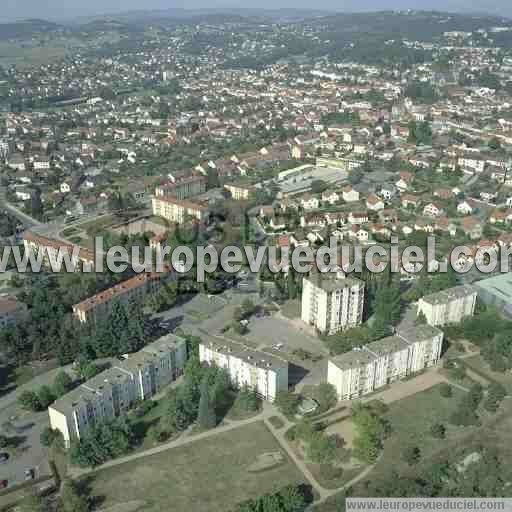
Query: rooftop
(500, 286)
(257, 358)
(331, 283)
(445, 296)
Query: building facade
(177, 210)
(113, 392)
(131, 291)
(448, 306)
(332, 304)
(366, 369)
(50, 249)
(264, 373)
(183, 189)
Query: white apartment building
(114, 391)
(183, 189)
(331, 303)
(366, 369)
(177, 210)
(264, 373)
(448, 306)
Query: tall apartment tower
(332, 303)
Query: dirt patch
(344, 429)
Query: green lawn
(411, 419)
(480, 367)
(206, 475)
(291, 309)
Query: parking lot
(28, 454)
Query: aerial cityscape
(254, 259)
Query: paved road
(27, 220)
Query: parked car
(29, 474)
(4, 457)
(4, 484)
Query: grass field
(411, 419)
(480, 367)
(207, 475)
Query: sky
(62, 9)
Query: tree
(88, 370)
(370, 430)
(247, 400)
(32, 503)
(355, 176)
(321, 449)
(318, 186)
(177, 416)
(206, 413)
(62, 384)
(326, 396)
(287, 403)
(45, 396)
(438, 431)
(73, 499)
(465, 413)
(495, 395)
(104, 440)
(411, 455)
(292, 500)
(387, 304)
(421, 319)
(445, 390)
(305, 430)
(494, 144)
(28, 400)
(475, 395)
(47, 436)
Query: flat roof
(450, 294)
(258, 358)
(354, 359)
(500, 286)
(420, 332)
(330, 282)
(387, 345)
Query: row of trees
(103, 441)
(39, 400)
(288, 499)
(371, 431)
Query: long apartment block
(178, 210)
(448, 306)
(260, 371)
(113, 392)
(366, 369)
(35, 243)
(131, 291)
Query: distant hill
(26, 28)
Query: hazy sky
(15, 9)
